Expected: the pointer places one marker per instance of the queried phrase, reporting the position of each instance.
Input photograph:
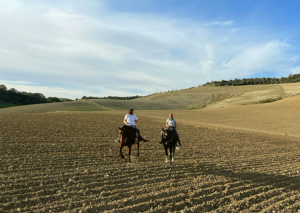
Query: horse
(169, 140)
(127, 138)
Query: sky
(72, 48)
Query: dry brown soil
(215, 170)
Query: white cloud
(256, 58)
(15, 82)
(124, 54)
(222, 23)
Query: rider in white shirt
(130, 120)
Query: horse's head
(124, 129)
(167, 134)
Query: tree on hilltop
(3, 87)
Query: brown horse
(127, 138)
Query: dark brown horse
(127, 138)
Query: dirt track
(215, 170)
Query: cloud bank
(67, 52)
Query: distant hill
(202, 97)
(206, 97)
(281, 117)
(81, 105)
(65, 99)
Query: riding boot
(136, 137)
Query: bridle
(171, 137)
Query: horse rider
(171, 122)
(130, 120)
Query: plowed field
(69, 162)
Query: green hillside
(65, 99)
(81, 105)
(205, 96)
(6, 104)
(193, 98)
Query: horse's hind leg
(138, 146)
(129, 152)
(166, 149)
(121, 154)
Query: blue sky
(115, 47)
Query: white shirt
(130, 119)
(171, 122)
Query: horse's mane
(129, 133)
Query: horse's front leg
(129, 152)
(138, 146)
(173, 153)
(121, 154)
(166, 150)
(171, 159)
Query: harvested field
(194, 98)
(147, 104)
(281, 117)
(212, 97)
(68, 162)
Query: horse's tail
(142, 139)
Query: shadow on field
(287, 182)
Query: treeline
(125, 98)
(23, 98)
(253, 81)
(113, 97)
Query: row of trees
(23, 98)
(113, 97)
(253, 81)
